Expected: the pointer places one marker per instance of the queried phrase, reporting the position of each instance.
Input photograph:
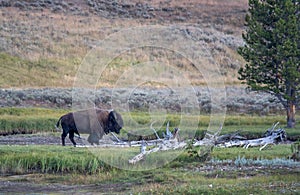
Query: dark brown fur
(95, 122)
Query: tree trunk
(291, 113)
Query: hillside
(43, 42)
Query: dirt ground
(36, 139)
(17, 187)
(26, 184)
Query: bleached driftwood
(272, 136)
(172, 142)
(168, 145)
(162, 147)
(151, 127)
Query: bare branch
(151, 127)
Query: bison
(96, 122)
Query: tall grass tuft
(42, 159)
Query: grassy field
(28, 120)
(37, 120)
(106, 170)
(229, 171)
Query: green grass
(277, 151)
(175, 172)
(33, 112)
(34, 120)
(28, 120)
(250, 126)
(45, 159)
(74, 166)
(58, 159)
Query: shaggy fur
(95, 122)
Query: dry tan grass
(66, 38)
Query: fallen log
(172, 143)
(229, 137)
(272, 136)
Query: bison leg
(64, 133)
(63, 136)
(93, 138)
(71, 137)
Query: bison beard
(95, 122)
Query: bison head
(115, 122)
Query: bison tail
(57, 124)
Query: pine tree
(272, 51)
